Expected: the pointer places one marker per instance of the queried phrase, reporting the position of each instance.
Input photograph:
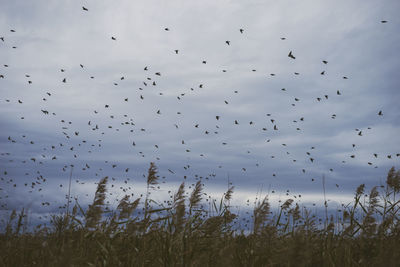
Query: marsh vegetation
(184, 232)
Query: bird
(380, 113)
(228, 42)
(113, 38)
(291, 55)
(241, 30)
(325, 62)
(383, 21)
(85, 9)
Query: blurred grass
(186, 233)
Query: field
(183, 232)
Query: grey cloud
(51, 36)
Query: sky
(205, 89)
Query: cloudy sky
(126, 83)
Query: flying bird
(291, 55)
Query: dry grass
(186, 234)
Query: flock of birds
(72, 147)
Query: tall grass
(186, 233)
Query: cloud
(129, 133)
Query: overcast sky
(298, 119)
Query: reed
(186, 233)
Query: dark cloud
(145, 122)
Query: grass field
(183, 232)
